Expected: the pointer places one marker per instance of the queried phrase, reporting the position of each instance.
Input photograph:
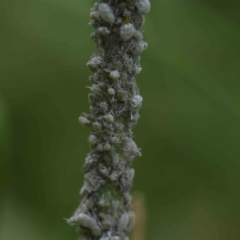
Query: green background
(189, 130)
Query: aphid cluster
(104, 212)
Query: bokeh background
(189, 129)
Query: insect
(103, 170)
(111, 91)
(127, 31)
(123, 222)
(99, 148)
(107, 147)
(122, 96)
(92, 140)
(115, 140)
(84, 121)
(109, 118)
(103, 106)
(143, 6)
(115, 238)
(114, 74)
(137, 101)
(104, 31)
(97, 126)
(131, 221)
(94, 63)
(85, 220)
(106, 13)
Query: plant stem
(104, 212)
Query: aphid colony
(104, 212)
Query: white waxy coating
(104, 31)
(123, 222)
(106, 12)
(84, 120)
(114, 74)
(143, 6)
(92, 139)
(89, 222)
(137, 101)
(127, 31)
(111, 91)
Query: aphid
(109, 118)
(91, 98)
(138, 35)
(124, 76)
(138, 59)
(93, 180)
(106, 224)
(115, 238)
(131, 221)
(84, 121)
(97, 126)
(123, 222)
(94, 15)
(126, 181)
(119, 20)
(131, 150)
(88, 116)
(99, 148)
(103, 170)
(94, 63)
(122, 96)
(118, 65)
(103, 106)
(106, 13)
(115, 175)
(130, 61)
(107, 147)
(137, 69)
(130, 174)
(94, 7)
(95, 37)
(104, 31)
(111, 91)
(109, 132)
(86, 221)
(125, 57)
(83, 190)
(92, 140)
(116, 160)
(93, 110)
(127, 31)
(95, 89)
(90, 159)
(143, 6)
(114, 74)
(101, 85)
(103, 203)
(137, 101)
(84, 206)
(107, 158)
(127, 199)
(107, 221)
(116, 140)
(142, 46)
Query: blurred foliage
(188, 131)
